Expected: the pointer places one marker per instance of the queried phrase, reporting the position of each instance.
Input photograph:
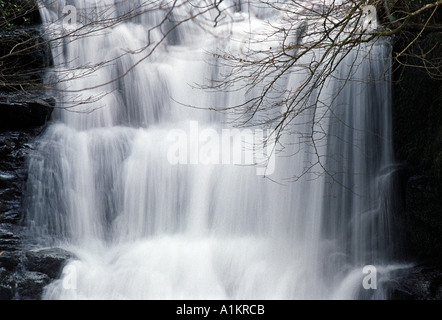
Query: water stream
(159, 200)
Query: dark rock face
(18, 113)
(29, 285)
(416, 283)
(14, 146)
(24, 112)
(47, 261)
(424, 219)
(417, 128)
(24, 274)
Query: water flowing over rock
(150, 213)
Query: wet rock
(16, 282)
(6, 285)
(47, 261)
(14, 146)
(7, 236)
(22, 113)
(25, 274)
(9, 261)
(31, 284)
(421, 282)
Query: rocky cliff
(24, 112)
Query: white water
(101, 184)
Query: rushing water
(147, 193)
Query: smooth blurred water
(102, 185)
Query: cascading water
(130, 182)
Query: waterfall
(155, 199)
